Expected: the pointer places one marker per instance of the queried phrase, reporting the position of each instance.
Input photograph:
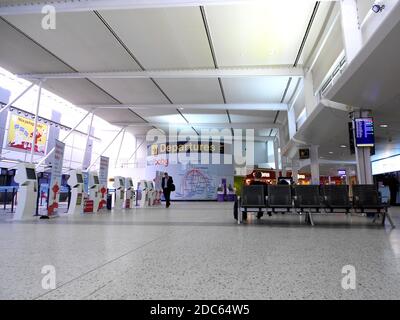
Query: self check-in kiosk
(130, 195)
(152, 193)
(94, 189)
(75, 181)
(143, 189)
(27, 191)
(119, 185)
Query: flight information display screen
(96, 180)
(364, 132)
(30, 174)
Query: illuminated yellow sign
(20, 134)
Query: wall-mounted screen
(79, 178)
(30, 173)
(121, 182)
(131, 182)
(364, 132)
(341, 172)
(96, 179)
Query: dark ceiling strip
(303, 42)
(118, 39)
(214, 57)
(282, 100)
(210, 42)
(295, 90)
(67, 65)
(107, 25)
(299, 53)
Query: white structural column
(309, 97)
(314, 165)
(363, 157)
(36, 121)
(295, 170)
(350, 28)
(276, 158)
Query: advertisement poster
(20, 134)
(55, 182)
(103, 179)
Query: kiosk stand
(130, 196)
(152, 193)
(119, 185)
(27, 191)
(143, 200)
(94, 190)
(75, 181)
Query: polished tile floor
(197, 251)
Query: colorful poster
(20, 134)
(55, 182)
(103, 179)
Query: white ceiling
(251, 34)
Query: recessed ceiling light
(330, 152)
(383, 125)
(343, 146)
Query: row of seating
(330, 198)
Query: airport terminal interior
(209, 149)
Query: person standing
(393, 188)
(167, 186)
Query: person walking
(167, 184)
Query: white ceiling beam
(267, 71)
(89, 5)
(186, 107)
(199, 125)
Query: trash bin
(109, 201)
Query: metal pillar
(276, 159)
(17, 98)
(112, 141)
(63, 140)
(363, 156)
(36, 121)
(351, 31)
(295, 171)
(120, 146)
(314, 165)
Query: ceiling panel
(254, 90)
(78, 91)
(163, 38)
(325, 10)
(206, 116)
(268, 33)
(80, 39)
(132, 90)
(21, 55)
(118, 115)
(192, 90)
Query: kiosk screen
(79, 178)
(30, 173)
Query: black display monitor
(30, 173)
(364, 132)
(130, 182)
(121, 182)
(79, 178)
(96, 180)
